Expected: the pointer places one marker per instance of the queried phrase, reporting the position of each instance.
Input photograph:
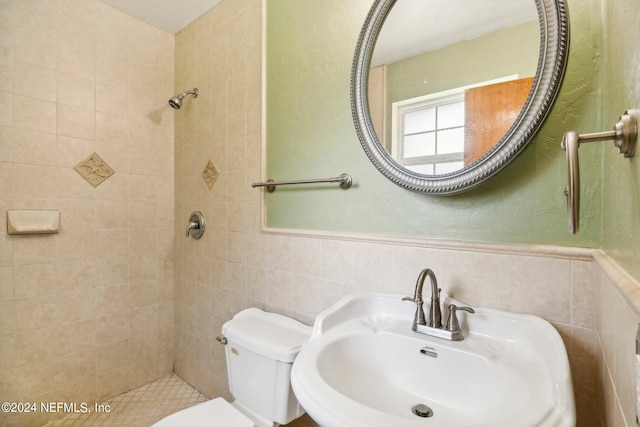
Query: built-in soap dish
(28, 221)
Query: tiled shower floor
(139, 407)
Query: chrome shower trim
(176, 101)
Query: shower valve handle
(195, 228)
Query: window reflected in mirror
(443, 132)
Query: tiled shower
(88, 313)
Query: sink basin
(365, 367)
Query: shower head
(176, 101)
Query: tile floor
(140, 407)
(145, 405)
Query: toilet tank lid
(268, 334)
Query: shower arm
(624, 136)
(193, 92)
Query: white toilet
(260, 349)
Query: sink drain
(422, 410)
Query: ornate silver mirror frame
(554, 48)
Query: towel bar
(624, 136)
(344, 180)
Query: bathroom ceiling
(483, 17)
(168, 15)
(418, 26)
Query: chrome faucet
(433, 327)
(435, 316)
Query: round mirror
(445, 93)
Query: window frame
(400, 108)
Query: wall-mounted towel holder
(624, 136)
(344, 181)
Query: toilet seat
(213, 413)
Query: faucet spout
(435, 314)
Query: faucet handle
(418, 318)
(452, 322)
(196, 223)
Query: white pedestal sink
(365, 367)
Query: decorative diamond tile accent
(210, 174)
(94, 169)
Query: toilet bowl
(260, 349)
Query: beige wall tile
(584, 291)
(33, 114)
(8, 319)
(112, 68)
(77, 122)
(113, 355)
(38, 378)
(114, 327)
(77, 58)
(472, 277)
(33, 147)
(35, 280)
(111, 243)
(79, 366)
(112, 99)
(36, 48)
(144, 294)
(78, 336)
(536, 285)
(6, 109)
(6, 144)
(76, 91)
(77, 214)
(112, 271)
(34, 249)
(112, 129)
(36, 313)
(7, 63)
(38, 345)
(65, 69)
(7, 284)
(36, 81)
(142, 241)
(76, 274)
(40, 182)
(112, 299)
(76, 306)
(70, 151)
(373, 266)
(76, 245)
(113, 382)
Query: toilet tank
(260, 351)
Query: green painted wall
(310, 134)
(621, 177)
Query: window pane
(451, 141)
(451, 115)
(448, 167)
(426, 169)
(420, 121)
(423, 144)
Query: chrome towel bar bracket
(344, 181)
(624, 136)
